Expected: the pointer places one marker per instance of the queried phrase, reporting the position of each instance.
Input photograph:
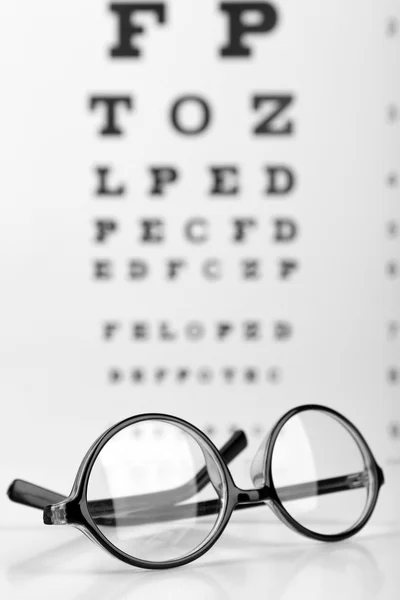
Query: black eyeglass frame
(73, 510)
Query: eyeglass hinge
(55, 514)
(357, 481)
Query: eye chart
(200, 216)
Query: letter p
(239, 25)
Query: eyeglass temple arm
(23, 492)
(29, 494)
(154, 514)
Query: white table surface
(252, 557)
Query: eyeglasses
(156, 493)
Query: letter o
(204, 120)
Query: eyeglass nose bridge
(253, 496)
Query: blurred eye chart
(200, 216)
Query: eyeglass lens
(143, 494)
(320, 473)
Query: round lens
(156, 491)
(320, 473)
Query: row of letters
(205, 375)
(224, 181)
(190, 115)
(198, 230)
(196, 331)
(243, 20)
(210, 269)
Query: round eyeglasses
(161, 505)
